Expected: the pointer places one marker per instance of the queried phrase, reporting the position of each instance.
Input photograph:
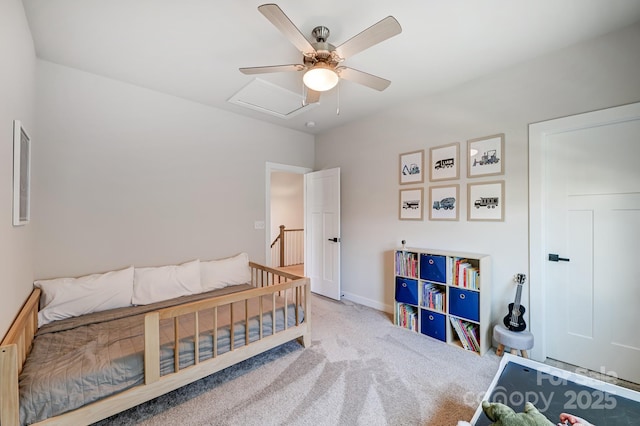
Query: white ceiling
(193, 48)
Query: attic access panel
(271, 99)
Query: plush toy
(502, 415)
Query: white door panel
(322, 217)
(620, 237)
(592, 315)
(585, 207)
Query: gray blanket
(80, 360)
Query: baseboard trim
(368, 302)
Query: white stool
(516, 340)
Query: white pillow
(160, 283)
(70, 297)
(225, 272)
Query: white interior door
(322, 232)
(589, 214)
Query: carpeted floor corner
(359, 370)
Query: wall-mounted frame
(485, 201)
(444, 162)
(411, 204)
(444, 202)
(412, 167)
(485, 156)
(21, 175)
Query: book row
(467, 333)
(406, 264)
(466, 275)
(434, 297)
(407, 316)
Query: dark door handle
(555, 258)
(335, 240)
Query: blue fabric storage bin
(406, 290)
(433, 268)
(464, 303)
(433, 324)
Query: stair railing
(288, 247)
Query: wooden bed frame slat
(231, 329)
(213, 332)
(9, 384)
(196, 339)
(19, 339)
(151, 341)
(246, 321)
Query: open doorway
(285, 208)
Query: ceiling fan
(321, 60)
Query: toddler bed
(83, 369)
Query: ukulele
(514, 320)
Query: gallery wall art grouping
(485, 198)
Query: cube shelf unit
(445, 295)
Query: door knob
(335, 240)
(555, 258)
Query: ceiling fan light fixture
(320, 78)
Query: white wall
(17, 102)
(287, 201)
(592, 75)
(126, 175)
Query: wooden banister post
(282, 245)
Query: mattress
(81, 360)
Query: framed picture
(411, 167)
(444, 202)
(410, 207)
(486, 156)
(444, 162)
(21, 174)
(485, 201)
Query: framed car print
(443, 161)
(411, 167)
(410, 207)
(485, 156)
(485, 201)
(444, 202)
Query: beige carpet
(359, 370)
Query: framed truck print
(444, 202)
(410, 207)
(444, 164)
(485, 201)
(21, 174)
(485, 156)
(411, 167)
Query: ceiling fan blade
(282, 22)
(312, 97)
(373, 35)
(363, 78)
(272, 68)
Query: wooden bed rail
(24, 327)
(296, 291)
(262, 276)
(13, 351)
